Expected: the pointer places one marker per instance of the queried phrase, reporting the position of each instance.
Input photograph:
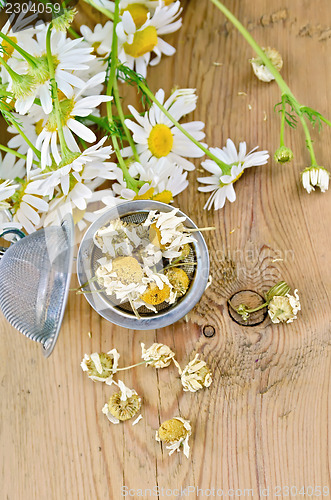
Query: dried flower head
(179, 280)
(259, 68)
(101, 366)
(175, 432)
(284, 308)
(283, 155)
(128, 270)
(122, 405)
(196, 375)
(158, 355)
(155, 295)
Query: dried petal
(175, 432)
(196, 375)
(158, 355)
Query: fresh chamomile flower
(157, 355)
(168, 177)
(315, 177)
(283, 155)
(28, 125)
(284, 308)
(175, 432)
(221, 185)
(122, 405)
(195, 375)
(157, 138)
(7, 190)
(101, 367)
(76, 106)
(137, 42)
(259, 68)
(100, 38)
(10, 168)
(69, 57)
(28, 203)
(79, 167)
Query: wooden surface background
(264, 423)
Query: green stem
(12, 151)
(248, 37)
(133, 366)
(282, 124)
(226, 169)
(103, 10)
(130, 181)
(73, 33)
(122, 118)
(28, 57)
(22, 134)
(56, 104)
(249, 311)
(309, 142)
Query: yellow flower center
(39, 126)
(7, 49)
(66, 107)
(143, 41)
(168, 2)
(238, 177)
(138, 12)
(232, 182)
(160, 140)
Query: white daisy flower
(86, 166)
(10, 168)
(69, 57)
(315, 177)
(7, 189)
(100, 38)
(28, 125)
(77, 106)
(221, 185)
(28, 203)
(167, 177)
(138, 41)
(157, 138)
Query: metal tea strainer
(34, 281)
(196, 267)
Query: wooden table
(264, 423)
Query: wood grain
(265, 421)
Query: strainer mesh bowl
(121, 313)
(139, 218)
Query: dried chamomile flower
(259, 68)
(155, 295)
(179, 280)
(157, 355)
(122, 405)
(284, 308)
(175, 432)
(127, 269)
(196, 375)
(101, 366)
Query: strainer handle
(13, 230)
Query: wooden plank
(264, 423)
